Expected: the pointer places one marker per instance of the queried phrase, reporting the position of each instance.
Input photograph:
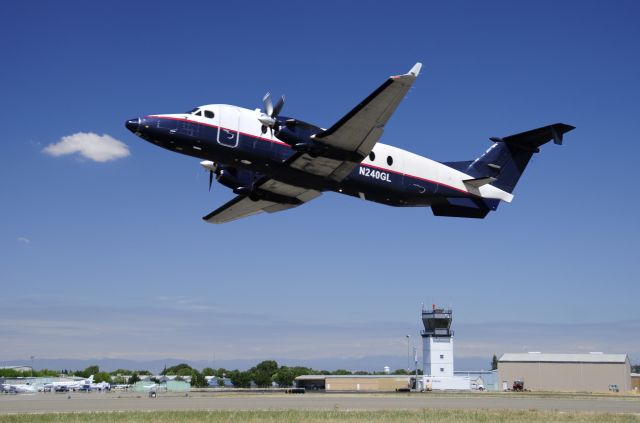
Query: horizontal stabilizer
(478, 182)
(536, 137)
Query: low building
(17, 368)
(593, 372)
(365, 383)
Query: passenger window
(372, 156)
(208, 113)
(389, 160)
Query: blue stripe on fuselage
(268, 156)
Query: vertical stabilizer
(508, 157)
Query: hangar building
(593, 372)
(378, 383)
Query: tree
(182, 369)
(263, 372)
(494, 363)
(240, 379)
(91, 370)
(208, 371)
(133, 378)
(198, 380)
(123, 372)
(102, 377)
(341, 372)
(284, 377)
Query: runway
(86, 402)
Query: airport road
(82, 402)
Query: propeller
(212, 167)
(268, 117)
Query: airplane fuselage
(233, 137)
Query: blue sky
(111, 259)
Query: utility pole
(408, 354)
(415, 362)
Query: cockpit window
(208, 113)
(198, 114)
(193, 111)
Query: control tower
(437, 342)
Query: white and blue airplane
(274, 163)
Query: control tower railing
(437, 322)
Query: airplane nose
(133, 125)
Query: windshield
(193, 111)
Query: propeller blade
(278, 108)
(210, 179)
(268, 105)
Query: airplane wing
(360, 129)
(278, 196)
(357, 132)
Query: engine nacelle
(293, 131)
(234, 178)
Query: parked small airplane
(69, 385)
(100, 386)
(274, 163)
(19, 388)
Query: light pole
(408, 354)
(415, 363)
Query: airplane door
(228, 129)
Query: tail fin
(509, 156)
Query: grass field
(440, 416)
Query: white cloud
(99, 148)
(23, 240)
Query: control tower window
(199, 113)
(208, 114)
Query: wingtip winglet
(415, 70)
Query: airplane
(70, 385)
(100, 386)
(274, 163)
(19, 388)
